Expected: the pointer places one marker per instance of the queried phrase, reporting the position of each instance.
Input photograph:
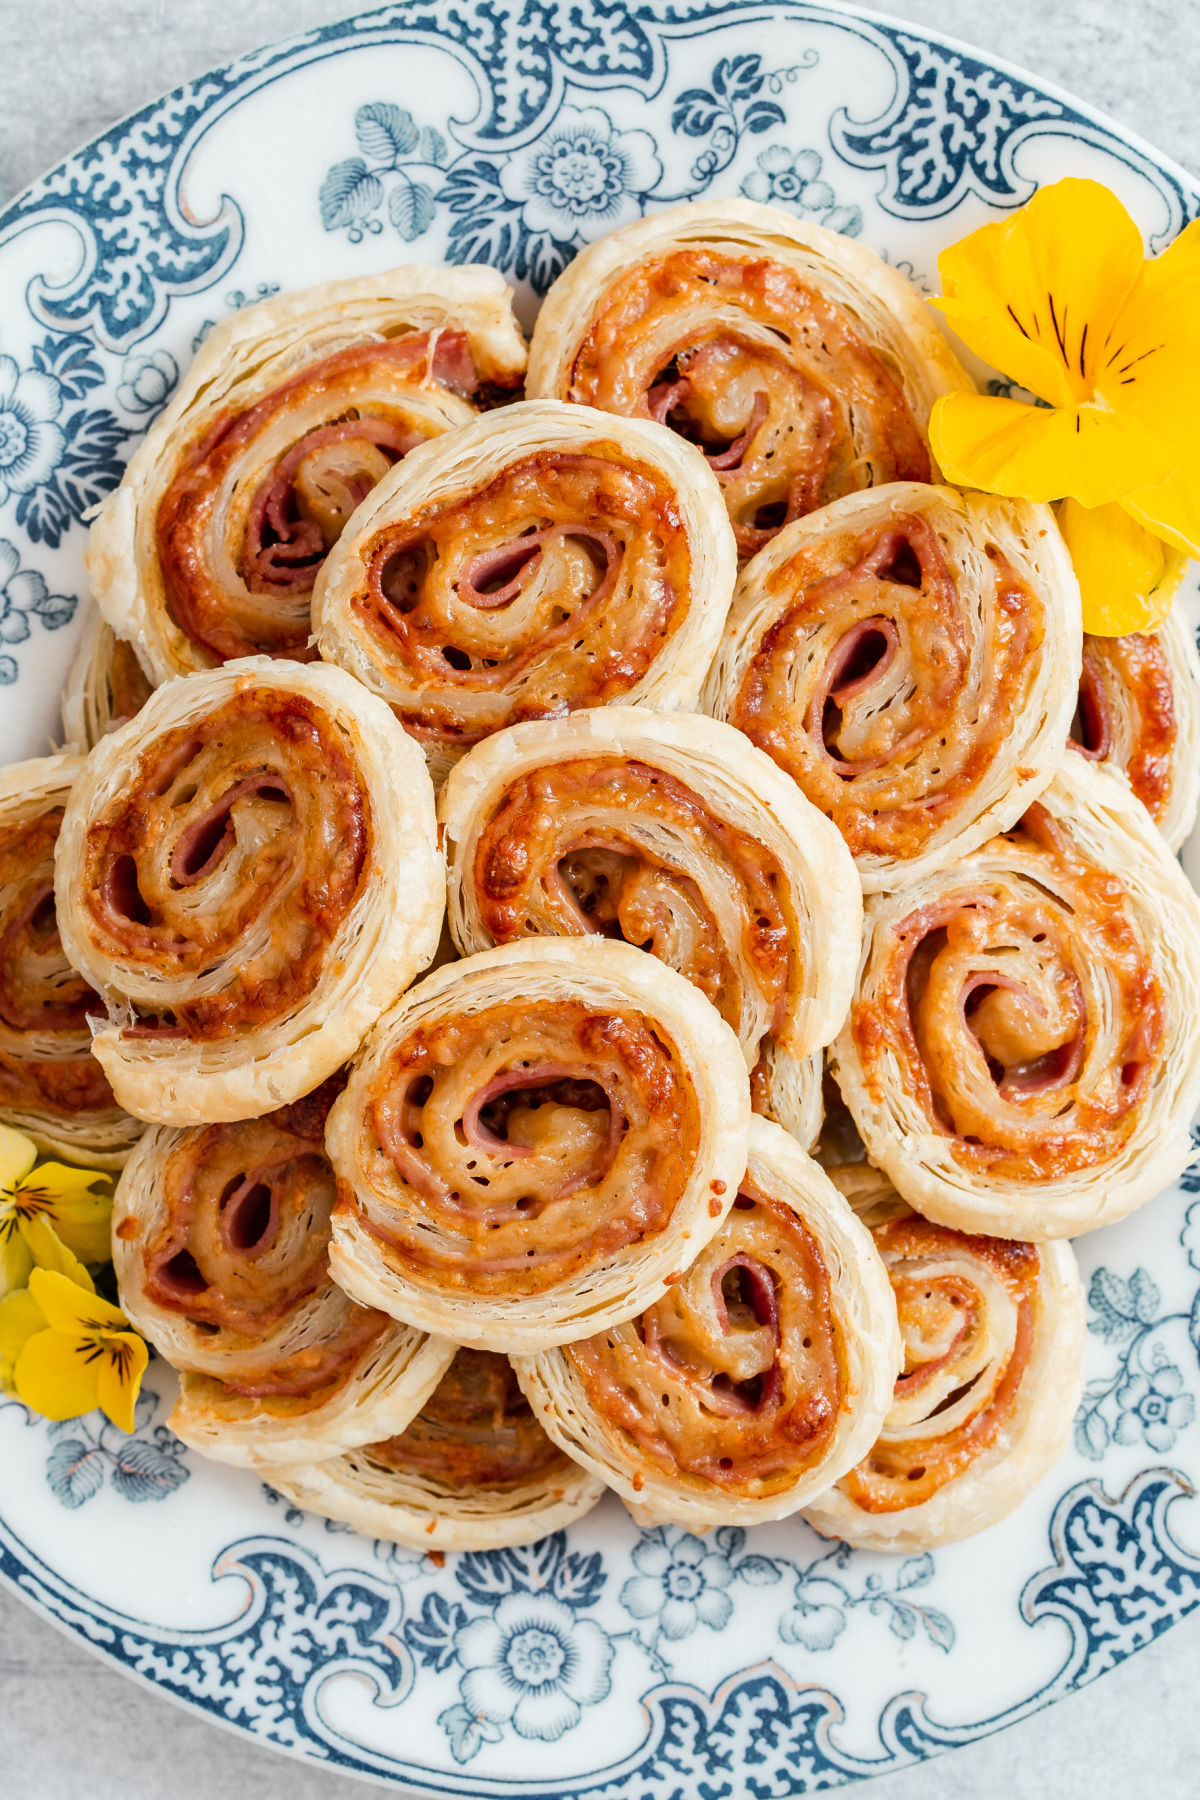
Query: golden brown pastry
(1139, 709)
(993, 1336)
(534, 1142)
(247, 874)
(544, 559)
(672, 833)
(801, 365)
(761, 1376)
(105, 688)
(473, 1471)
(1021, 1057)
(51, 1086)
(221, 1248)
(291, 412)
(910, 657)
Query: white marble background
(69, 1726)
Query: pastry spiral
(543, 559)
(756, 1380)
(676, 835)
(105, 688)
(51, 1086)
(534, 1142)
(292, 411)
(247, 874)
(802, 366)
(473, 1471)
(910, 656)
(1021, 1057)
(221, 1249)
(993, 1334)
(1139, 709)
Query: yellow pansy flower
(78, 1353)
(20, 1314)
(75, 1205)
(1061, 297)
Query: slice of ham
(205, 842)
(519, 561)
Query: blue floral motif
(581, 177)
(399, 164)
(57, 457)
(147, 1465)
(1144, 1400)
(792, 178)
(31, 439)
(534, 1664)
(680, 1583)
(728, 109)
(147, 383)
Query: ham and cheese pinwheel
(1139, 709)
(51, 1086)
(1021, 1057)
(221, 1248)
(292, 410)
(993, 1335)
(910, 657)
(247, 874)
(105, 688)
(758, 1379)
(535, 1142)
(473, 1471)
(800, 364)
(674, 834)
(544, 559)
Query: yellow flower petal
(1151, 362)
(58, 1376)
(122, 1366)
(16, 1258)
(1127, 576)
(1171, 511)
(49, 1252)
(81, 1216)
(72, 1309)
(17, 1156)
(1003, 447)
(20, 1317)
(1037, 294)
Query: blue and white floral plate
(607, 1661)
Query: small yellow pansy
(79, 1354)
(1061, 297)
(20, 1314)
(75, 1203)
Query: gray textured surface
(68, 1725)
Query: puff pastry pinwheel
(1022, 1057)
(910, 656)
(543, 559)
(675, 834)
(247, 874)
(51, 1086)
(993, 1335)
(474, 1471)
(534, 1142)
(802, 366)
(221, 1248)
(292, 410)
(106, 686)
(1139, 709)
(761, 1376)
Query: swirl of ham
(524, 1143)
(555, 586)
(903, 658)
(49, 1081)
(215, 880)
(773, 380)
(254, 507)
(1139, 709)
(736, 1377)
(475, 1432)
(623, 849)
(1021, 1008)
(223, 1258)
